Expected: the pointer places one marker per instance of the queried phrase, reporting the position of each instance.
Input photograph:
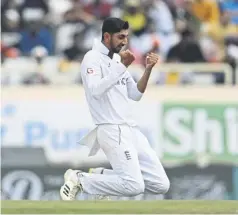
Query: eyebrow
(124, 35)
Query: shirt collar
(99, 46)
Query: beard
(115, 49)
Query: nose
(124, 42)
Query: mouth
(120, 47)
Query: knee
(134, 188)
(165, 185)
(159, 187)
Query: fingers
(130, 54)
(152, 54)
(128, 51)
(127, 54)
(152, 58)
(127, 57)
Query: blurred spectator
(35, 4)
(8, 52)
(207, 11)
(38, 7)
(38, 53)
(159, 13)
(5, 6)
(99, 8)
(75, 52)
(172, 5)
(187, 50)
(77, 14)
(225, 28)
(57, 9)
(74, 19)
(35, 34)
(143, 38)
(230, 8)
(219, 32)
(78, 49)
(184, 16)
(162, 20)
(10, 21)
(10, 34)
(143, 44)
(134, 15)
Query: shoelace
(79, 174)
(73, 192)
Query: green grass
(120, 207)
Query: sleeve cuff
(137, 94)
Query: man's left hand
(151, 60)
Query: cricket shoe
(72, 185)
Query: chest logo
(90, 71)
(122, 81)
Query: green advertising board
(204, 133)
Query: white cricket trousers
(136, 167)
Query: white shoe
(71, 185)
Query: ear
(107, 36)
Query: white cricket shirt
(108, 87)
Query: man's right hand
(127, 57)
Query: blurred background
(191, 103)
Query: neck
(110, 54)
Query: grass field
(120, 207)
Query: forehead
(122, 33)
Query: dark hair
(113, 25)
(187, 32)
